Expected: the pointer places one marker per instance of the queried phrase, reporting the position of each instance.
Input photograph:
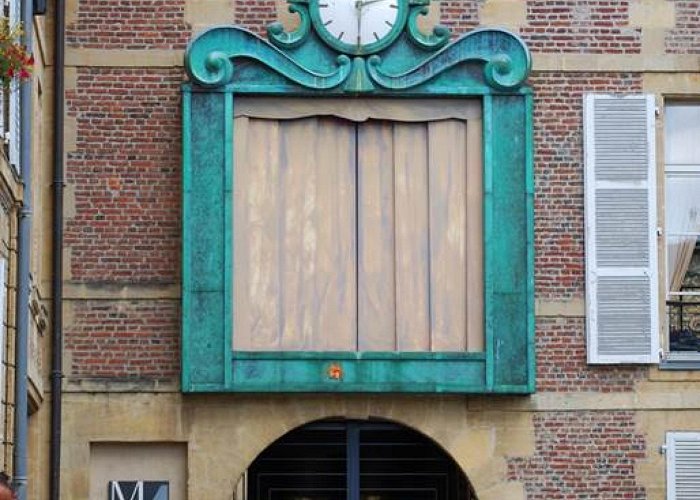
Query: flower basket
(15, 61)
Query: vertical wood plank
(376, 289)
(447, 173)
(298, 236)
(295, 252)
(475, 237)
(411, 236)
(333, 298)
(256, 248)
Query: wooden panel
(376, 294)
(294, 245)
(334, 289)
(448, 234)
(412, 235)
(434, 223)
(256, 205)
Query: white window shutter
(14, 126)
(683, 465)
(620, 203)
(3, 125)
(14, 101)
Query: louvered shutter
(683, 465)
(620, 202)
(14, 122)
(3, 125)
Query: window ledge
(680, 361)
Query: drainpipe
(57, 247)
(24, 245)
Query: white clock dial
(341, 19)
(378, 18)
(358, 22)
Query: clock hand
(361, 3)
(358, 6)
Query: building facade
(593, 423)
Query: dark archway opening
(355, 460)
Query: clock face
(358, 23)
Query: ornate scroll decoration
(439, 37)
(209, 59)
(305, 62)
(506, 57)
(290, 40)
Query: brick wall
(125, 174)
(124, 339)
(559, 224)
(582, 455)
(562, 366)
(591, 26)
(685, 37)
(129, 24)
(255, 15)
(460, 15)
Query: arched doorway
(355, 460)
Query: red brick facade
(460, 15)
(129, 24)
(255, 16)
(685, 37)
(562, 366)
(593, 26)
(559, 225)
(582, 455)
(125, 339)
(125, 177)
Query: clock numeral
(322, 5)
(390, 24)
(394, 6)
(376, 36)
(342, 34)
(328, 22)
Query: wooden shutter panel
(620, 202)
(683, 465)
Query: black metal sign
(138, 490)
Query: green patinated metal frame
(489, 64)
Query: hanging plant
(15, 61)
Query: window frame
(209, 363)
(669, 360)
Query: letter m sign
(138, 490)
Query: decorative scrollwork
(219, 69)
(210, 57)
(439, 38)
(289, 40)
(500, 73)
(506, 57)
